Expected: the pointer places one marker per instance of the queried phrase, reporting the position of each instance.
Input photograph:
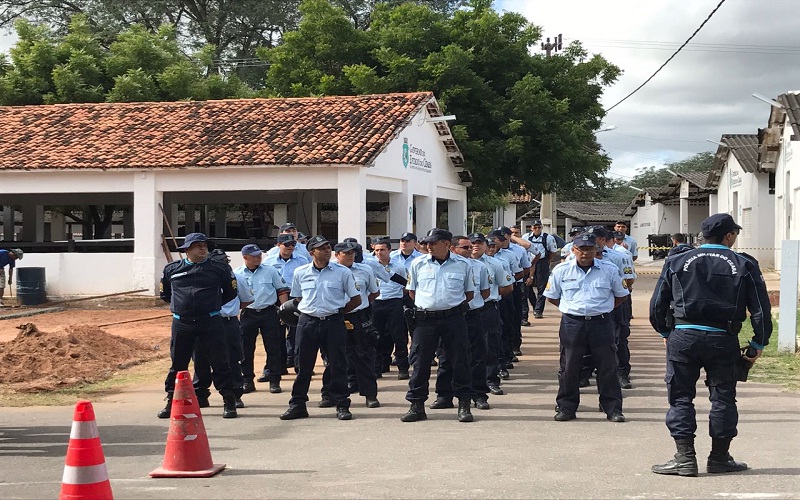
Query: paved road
(515, 450)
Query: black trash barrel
(31, 286)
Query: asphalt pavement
(514, 450)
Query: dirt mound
(38, 361)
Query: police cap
(599, 231)
(251, 250)
(437, 234)
(477, 237)
(408, 237)
(491, 240)
(719, 224)
(536, 222)
(316, 242)
(192, 238)
(497, 234)
(585, 240)
(504, 230)
(575, 230)
(287, 226)
(285, 238)
(345, 246)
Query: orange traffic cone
(85, 472)
(187, 453)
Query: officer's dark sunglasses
(289, 243)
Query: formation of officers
(460, 300)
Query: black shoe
(403, 375)
(275, 387)
(496, 390)
(326, 402)
(681, 465)
(516, 352)
(584, 382)
(525, 322)
(290, 362)
(464, 413)
(617, 416)
(434, 363)
(442, 403)
(263, 378)
(482, 404)
(239, 403)
(563, 416)
(295, 412)
(718, 465)
(504, 374)
(625, 382)
(415, 413)
(509, 365)
(394, 362)
(343, 413)
(248, 387)
(203, 402)
(372, 402)
(538, 315)
(167, 410)
(379, 374)
(229, 406)
(514, 359)
(285, 371)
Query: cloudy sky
(747, 46)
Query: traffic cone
(187, 453)
(85, 473)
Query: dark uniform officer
(196, 288)
(710, 287)
(509, 303)
(325, 291)
(518, 296)
(544, 246)
(441, 285)
(586, 292)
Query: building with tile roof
(298, 156)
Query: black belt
(589, 318)
(711, 324)
(422, 314)
(360, 313)
(490, 304)
(326, 318)
(263, 309)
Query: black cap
(251, 250)
(346, 246)
(504, 230)
(599, 231)
(576, 230)
(285, 238)
(477, 237)
(618, 235)
(536, 222)
(409, 237)
(195, 238)
(316, 242)
(623, 222)
(584, 240)
(437, 234)
(288, 225)
(350, 240)
(491, 240)
(497, 234)
(719, 224)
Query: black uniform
(196, 293)
(710, 289)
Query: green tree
(653, 176)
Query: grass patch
(772, 367)
(143, 373)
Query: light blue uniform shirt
(324, 292)
(630, 268)
(286, 268)
(396, 256)
(480, 281)
(566, 251)
(584, 293)
(388, 289)
(630, 242)
(300, 249)
(524, 256)
(264, 283)
(621, 261)
(366, 283)
(511, 258)
(499, 275)
(439, 287)
(231, 309)
(538, 246)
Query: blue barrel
(31, 286)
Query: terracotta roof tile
(304, 131)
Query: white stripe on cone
(189, 415)
(84, 430)
(190, 437)
(87, 474)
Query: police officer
(388, 311)
(196, 288)
(325, 291)
(233, 336)
(566, 251)
(586, 292)
(291, 228)
(285, 261)
(543, 247)
(261, 317)
(7, 258)
(712, 288)
(623, 319)
(441, 285)
(361, 334)
(508, 304)
(500, 284)
(476, 333)
(518, 296)
(629, 242)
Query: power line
(670, 57)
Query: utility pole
(555, 46)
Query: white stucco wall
(654, 218)
(754, 210)
(787, 192)
(84, 274)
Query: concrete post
(57, 226)
(8, 223)
(684, 207)
(189, 218)
(127, 222)
(280, 214)
(221, 222)
(401, 213)
(426, 214)
(352, 202)
(87, 231)
(306, 213)
(787, 322)
(174, 214)
(33, 223)
(148, 258)
(457, 216)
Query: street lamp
(606, 129)
(769, 101)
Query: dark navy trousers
(312, 335)
(478, 343)
(716, 352)
(207, 333)
(452, 332)
(494, 327)
(390, 322)
(202, 365)
(267, 324)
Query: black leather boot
(415, 413)
(684, 463)
(229, 406)
(719, 460)
(464, 413)
(167, 410)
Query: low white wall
(87, 274)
